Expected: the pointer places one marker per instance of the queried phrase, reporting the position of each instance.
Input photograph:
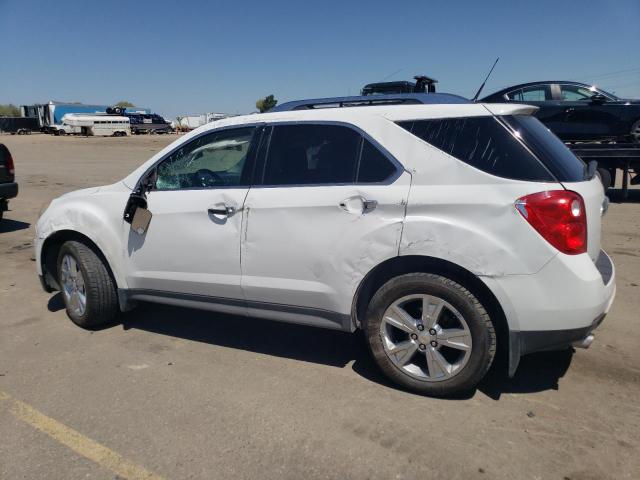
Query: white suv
(445, 231)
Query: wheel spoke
(431, 309)
(66, 265)
(74, 301)
(436, 363)
(457, 338)
(400, 319)
(82, 301)
(80, 281)
(73, 266)
(402, 352)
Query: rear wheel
(430, 334)
(87, 288)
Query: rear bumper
(558, 306)
(8, 190)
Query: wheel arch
(51, 248)
(404, 264)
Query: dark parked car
(148, 123)
(8, 186)
(577, 111)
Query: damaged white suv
(445, 230)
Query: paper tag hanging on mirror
(141, 220)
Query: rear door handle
(224, 210)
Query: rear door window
(317, 154)
(483, 143)
(535, 93)
(374, 165)
(312, 154)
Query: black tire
(481, 328)
(61, 133)
(101, 297)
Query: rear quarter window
(556, 156)
(483, 143)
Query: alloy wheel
(426, 337)
(73, 285)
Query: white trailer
(191, 122)
(93, 125)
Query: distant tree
(267, 103)
(124, 104)
(9, 110)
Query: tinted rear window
(561, 161)
(374, 166)
(312, 154)
(483, 143)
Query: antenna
(475, 98)
(391, 74)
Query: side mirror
(598, 98)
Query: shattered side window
(483, 143)
(213, 160)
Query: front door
(328, 206)
(192, 245)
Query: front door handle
(358, 205)
(224, 210)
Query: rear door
(329, 204)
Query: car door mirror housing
(598, 98)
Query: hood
(80, 193)
(85, 192)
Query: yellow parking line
(76, 441)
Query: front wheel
(430, 334)
(87, 287)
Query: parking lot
(177, 393)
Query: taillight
(559, 216)
(9, 162)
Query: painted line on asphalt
(77, 442)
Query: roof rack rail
(371, 100)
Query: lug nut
(414, 336)
(420, 327)
(422, 346)
(434, 343)
(432, 331)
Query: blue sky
(183, 57)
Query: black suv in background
(577, 112)
(148, 123)
(8, 186)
